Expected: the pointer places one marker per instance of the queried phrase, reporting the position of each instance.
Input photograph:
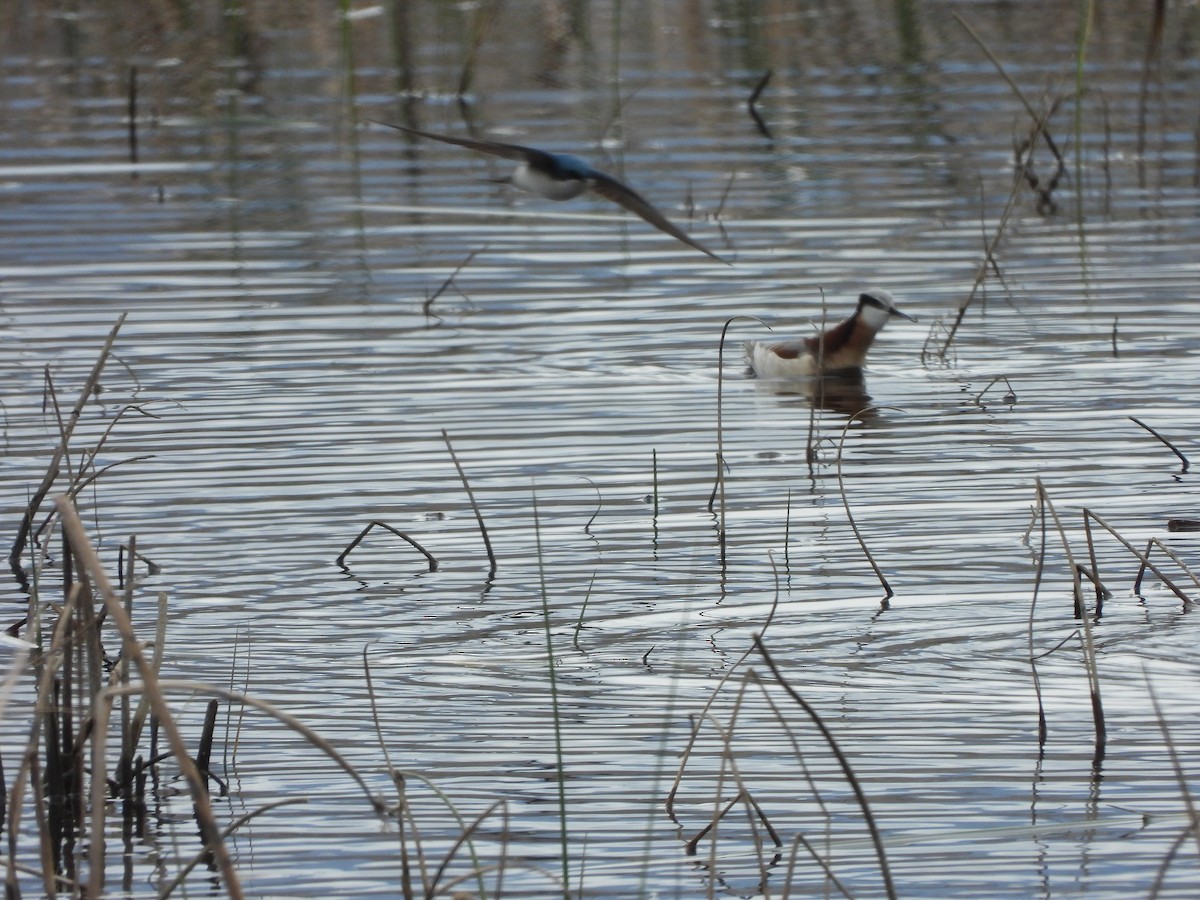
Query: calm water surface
(275, 254)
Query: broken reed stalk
(402, 811)
(61, 451)
(1010, 397)
(1155, 542)
(784, 720)
(487, 543)
(843, 762)
(1094, 574)
(846, 504)
(43, 733)
(375, 523)
(752, 105)
(90, 566)
(1077, 592)
(1089, 647)
(1183, 459)
(404, 815)
(1143, 558)
(981, 272)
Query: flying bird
(561, 176)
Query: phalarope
(561, 176)
(842, 348)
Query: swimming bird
(561, 176)
(842, 348)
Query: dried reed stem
(61, 451)
(752, 108)
(487, 543)
(1183, 459)
(1155, 542)
(719, 485)
(1181, 778)
(846, 504)
(430, 300)
(131, 110)
(551, 666)
(843, 762)
(1143, 558)
(1038, 131)
(210, 836)
(375, 523)
(712, 698)
(1029, 634)
(1089, 647)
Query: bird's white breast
(543, 185)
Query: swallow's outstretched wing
(623, 195)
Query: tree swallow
(561, 176)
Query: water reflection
(844, 393)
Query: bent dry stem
(61, 452)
